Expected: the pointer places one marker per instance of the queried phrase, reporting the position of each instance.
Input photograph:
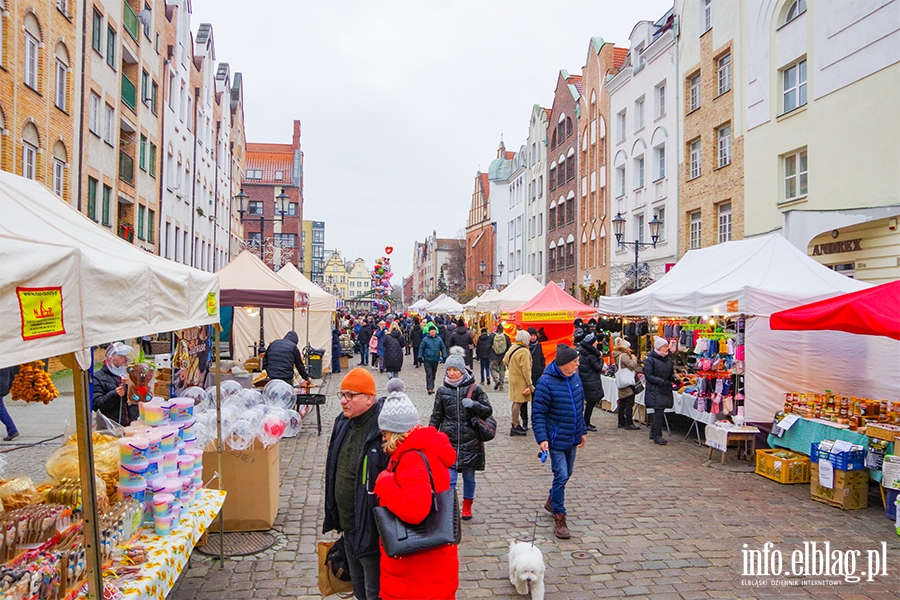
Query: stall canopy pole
(218, 327)
(88, 485)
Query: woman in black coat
(415, 337)
(589, 369)
(659, 371)
(463, 337)
(394, 342)
(456, 402)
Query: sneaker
(11, 436)
(560, 528)
(661, 441)
(591, 427)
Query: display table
(719, 435)
(167, 555)
(806, 432)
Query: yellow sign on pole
(42, 312)
(211, 304)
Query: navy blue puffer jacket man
(559, 428)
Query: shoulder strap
(469, 393)
(430, 479)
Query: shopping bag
(485, 429)
(624, 376)
(334, 576)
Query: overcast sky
(402, 102)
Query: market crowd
(384, 455)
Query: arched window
(32, 60)
(551, 216)
(60, 77)
(551, 256)
(570, 166)
(570, 208)
(60, 159)
(560, 212)
(570, 251)
(797, 8)
(593, 248)
(553, 140)
(31, 141)
(568, 126)
(552, 182)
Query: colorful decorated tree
(381, 281)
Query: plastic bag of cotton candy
(248, 415)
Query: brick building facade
(480, 234)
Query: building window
(94, 115)
(92, 199)
(552, 184)
(796, 181)
(142, 215)
(570, 167)
(695, 159)
(154, 96)
(707, 15)
(725, 222)
(31, 61)
(540, 186)
(108, 112)
(661, 100)
(60, 85)
(796, 9)
(639, 173)
(292, 209)
(111, 47)
(279, 175)
(540, 224)
(660, 162)
(96, 32)
(724, 71)
(106, 203)
(551, 259)
(286, 240)
(551, 218)
(142, 153)
(172, 90)
(570, 254)
(145, 87)
(254, 174)
(29, 156)
(639, 225)
(620, 181)
(794, 85)
(661, 217)
(695, 230)
(256, 208)
(570, 210)
(58, 171)
(254, 238)
(151, 162)
(622, 124)
(150, 218)
(694, 93)
(724, 136)
(638, 115)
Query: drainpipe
(82, 111)
(216, 201)
(162, 153)
(192, 117)
(676, 30)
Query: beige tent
(245, 330)
(520, 291)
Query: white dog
(526, 566)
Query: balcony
(131, 22)
(126, 168)
(129, 93)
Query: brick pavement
(652, 522)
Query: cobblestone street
(647, 521)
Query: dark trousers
(6, 419)
(416, 359)
(374, 359)
(365, 573)
(430, 370)
(656, 426)
(485, 369)
(363, 354)
(626, 410)
(588, 411)
(523, 414)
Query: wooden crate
(782, 470)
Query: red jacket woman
(405, 490)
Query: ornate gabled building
(480, 232)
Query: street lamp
(619, 229)
(500, 271)
(244, 207)
(586, 282)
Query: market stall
(521, 290)
(755, 278)
(447, 306)
(554, 310)
(66, 286)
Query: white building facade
(644, 122)
(501, 174)
(536, 203)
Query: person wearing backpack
(483, 353)
(518, 361)
(499, 345)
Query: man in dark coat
(589, 369)
(364, 335)
(659, 372)
(484, 354)
(281, 358)
(463, 337)
(538, 364)
(558, 422)
(394, 343)
(109, 390)
(415, 338)
(355, 458)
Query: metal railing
(131, 22)
(126, 167)
(129, 92)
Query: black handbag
(485, 429)
(440, 528)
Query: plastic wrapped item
(279, 393)
(251, 398)
(19, 492)
(230, 388)
(273, 426)
(235, 402)
(293, 425)
(63, 464)
(200, 397)
(240, 435)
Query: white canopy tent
(419, 304)
(446, 306)
(524, 288)
(480, 301)
(67, 285)
(314, 327)
(757, 277)
(434, 302)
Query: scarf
(454, 382)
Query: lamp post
(586, 282)
(500, 271)
(482, 267)
(279, 212)
(619, 229)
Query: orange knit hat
(359, 380)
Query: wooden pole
(218, 327)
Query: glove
(468, 403)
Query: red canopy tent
(554, 310)
(873, 311)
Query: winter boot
(559, 527)
(548, 506)
(466, 509)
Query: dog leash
(534, 530)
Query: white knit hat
(398, 414)
(659, 342)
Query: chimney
(296, 139)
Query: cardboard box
(345, 362)
(851, 488)
(252, 480)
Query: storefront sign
(837, 247)
(548, 315)
(42, 312)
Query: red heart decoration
(388, 249)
